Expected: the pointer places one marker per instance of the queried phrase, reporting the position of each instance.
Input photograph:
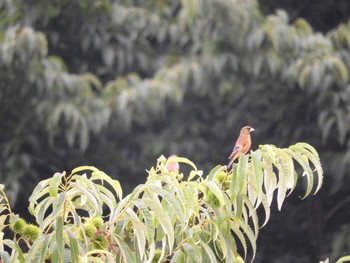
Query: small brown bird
(173, 166)
(242, 145)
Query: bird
(173, 166)
(242, 145)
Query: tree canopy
(172, 217)
(115, 84)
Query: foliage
(172, 77)
(342, 259)
(172, 216)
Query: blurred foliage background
(115, 84)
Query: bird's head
(247, 130)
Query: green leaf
(54, 183)
(171, 200)
(148, 219)
(178, 256)
(314, 158)
(303, 25)
(59, 238)
(239, 234)
(250, 235)
(38, 250)
(303, 161)
(252, 214)
(268, 152)
(267, 208)
(340, 69)
(270, 180)
(219, 218)
(234, 188)
(97, 174)
(107, 197)
(242, 169)
(214, 172)
(192, 251)
(190, 193)
(213, 187)
(226, 245)
(41, 210)
(57, 209)
(91, 196)
(84, 168)
(38, 193)
(163, 218)
(257, 171)
(122, 205)
(5, 257)
(44, 248)
(140, 232)
(238, 207)
(90, 78)
(128, 256)
(285, 168)
(344, 259)
(208, 251)
(73, 248)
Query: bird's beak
(252, 129)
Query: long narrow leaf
(163, 219)
(242, 169)
(213, 187)
(59, 238)
(208, 251)
(304, 164)
(312, 155)
(147, 218)
(192, 252)
(128, 256)
(73, 248)
(140, 232)
(171, 200)
(54, 183)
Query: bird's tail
(230, 163)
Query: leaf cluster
(173, 216)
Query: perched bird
(173, 166)
(242, 145)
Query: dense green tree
(323, 15)
(175, 77)
(172, 217)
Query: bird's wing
(234, 151)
